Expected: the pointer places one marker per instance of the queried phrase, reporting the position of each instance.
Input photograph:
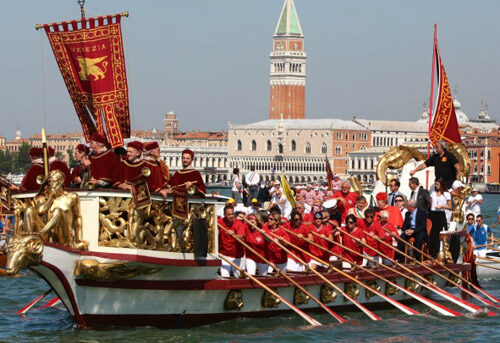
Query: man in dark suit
(414, 226)
(420, 195)
(394, 187)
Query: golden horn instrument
(40, 179)
(191, 190)
(356, 185)
(89, 185)
(146, 172)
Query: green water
(54, 325)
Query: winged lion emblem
(89, 67)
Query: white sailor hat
(331, 203)
(457, 184)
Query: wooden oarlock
(288, 278)
(369, 313)
(308, 318)
(438, 307)
(450, 271)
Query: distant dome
(18, 134)
(461, 116)
(424, 116)
(171, 112)
(481, 114)
(154, 131)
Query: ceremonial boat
(129, 266)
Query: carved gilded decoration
(110, 271)
(351, 290)
(299, 297)
(327, 294)
(411, 285)
(373, 284)
(430, 278)
(234, 300)
(396, 158)
(270, 301)
(22, 252)
(444, 256)
(390, 289)
(154, 227)
(54, 214)
(453, 278)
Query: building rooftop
(288, 24)
(330, 124)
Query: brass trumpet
(89, 185)
(40, 179)
(191, 190)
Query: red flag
(445, 124)
(329, 174)
(92, 64)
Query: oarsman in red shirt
(276, 254)
(228, 246)
(372, 231)
(395, 217)
(389, 239)
(357, 232)
(324, 232)
(296, 225)
(256, 241)
(345, 198)
(103, 163)
(307, 218)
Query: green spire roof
(289, 23)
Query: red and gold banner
(329, 174)
(445, 124)
(90, 57)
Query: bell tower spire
(288, 67)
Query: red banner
(92, 64)
(329, 174)
(445, 124)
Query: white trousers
(480, 252)
(255, 267)
(226, 268)
(367, 263)
(295, 266)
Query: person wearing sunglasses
(401, 204)
(324, 231)
(480, 234)
(276, 254)
(303, 231)
(303, 210)
(373, 230)
(256, 241)
(352, 228)
(395, 217)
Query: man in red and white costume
(373, 231)
(131, 168)
(345, 198)
(388, 238)
(57, 164)
(156, 180)
(228, 246)
(395, 217)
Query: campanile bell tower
(288, 67)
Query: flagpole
(434, 43)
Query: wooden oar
(488, 259)
(438, 307)
(32, 303)
(484, 301)
(369, 313)
(466, 305)
(488, 246)
(391, 301)
(447, 269)
(487, 266)
(288, 278)
(309, 319)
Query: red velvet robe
(104, 166)
(155, 180)
(130, 171)
(29, 181)
(60, 165)
(185, 175)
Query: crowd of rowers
(344, 218)
(99, 166)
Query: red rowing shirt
(257, 242)
(228, 246)
(353, 245)
(275, 253)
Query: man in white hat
(332, 208)
(474, 203)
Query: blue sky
(208, 61)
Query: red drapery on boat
(445, 124)
(92, 63)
